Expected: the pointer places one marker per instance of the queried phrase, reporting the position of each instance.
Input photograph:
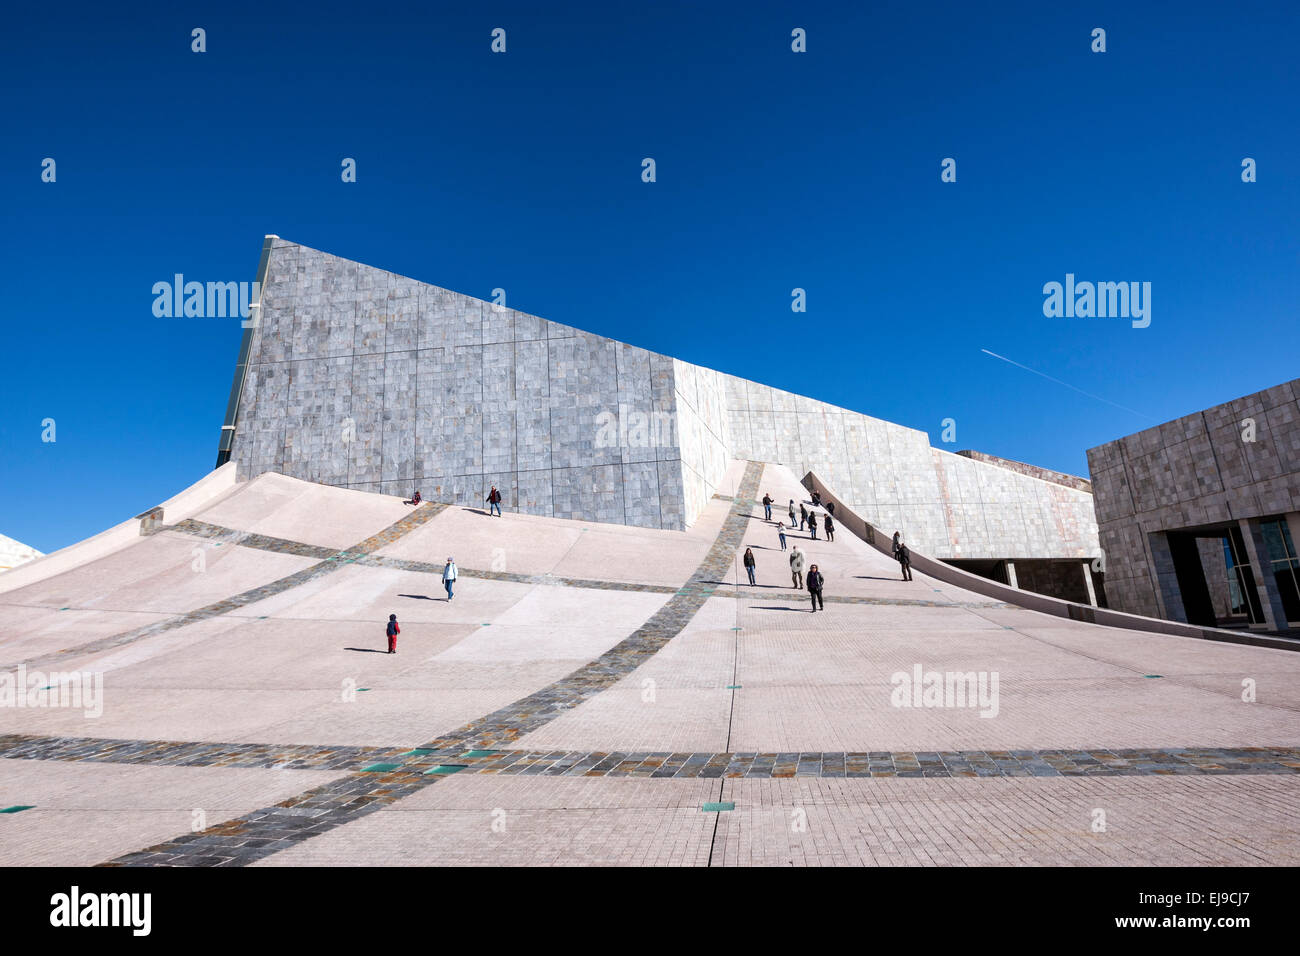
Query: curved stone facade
(366, 379)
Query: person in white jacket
(449, 576)
(796, 566)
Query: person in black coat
(905, 560)
(815, 584)
(830, 528)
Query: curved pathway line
(261, 542)
(335, 560)
(264, 832)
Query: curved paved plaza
(601, 694)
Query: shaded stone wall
(1195, 471)
(366, 379)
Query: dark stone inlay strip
(1166, 761)
(176, 753)
(259, 834)
(336, 560)
(577, 763)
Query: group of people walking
(807, 519)
(814, 581)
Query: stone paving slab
(85, 812)
(351, 797)
(817, 821)
(417, 517)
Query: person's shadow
(365, 650)
(418, 597)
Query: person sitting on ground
(413, 500)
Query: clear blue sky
(776, 170)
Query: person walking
(898, 538)
(449, 576)
(780, 533)
(803, 516)
(749, 566)
(812, 524)
(905, 560)
(494, 502)
(815, 582)
(829, 525)
(792, 517)
(393, 631)
(767, 507)
(796, 567)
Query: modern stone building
(358, 377)
(1197, 515)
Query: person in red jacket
(393, 631)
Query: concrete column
(1011, 574)
(1087, 580)
(1262, 568)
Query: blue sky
(775, 170)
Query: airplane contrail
(1069, 386)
